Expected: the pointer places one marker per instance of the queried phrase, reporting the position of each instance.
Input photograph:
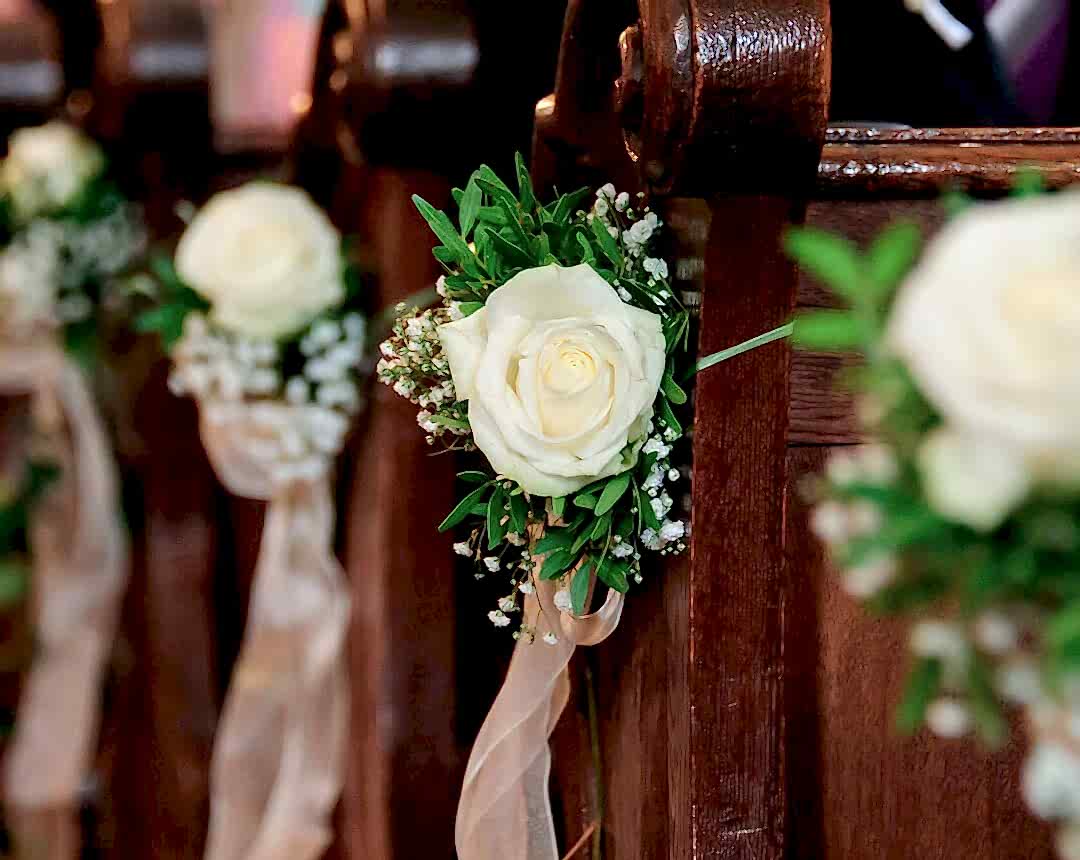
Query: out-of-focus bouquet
(963, 513)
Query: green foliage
(1030, 563)
(923, 684)
(175, 301)
(502, 228)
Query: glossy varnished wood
(912, 162)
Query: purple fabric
(1036, 75)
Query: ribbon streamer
(80, 569)
(277, 766)
(505, 807)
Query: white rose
(972, 479)
(560, 375)
(47, 167)
(266, 258)
(989, 325)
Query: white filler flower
(560, 375)
(266, 258)
(47, 167)
(989, 325)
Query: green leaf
(613, 491)
(956, 202)
(513, 255)
(162, 268)
(922, 685)
(494, 215)
(601, 527)
(519, 514)
(985, 709)
(831, 259)
(672, 389)
(558, 506)
(587, 255)
(500, 194)
(553, 539)
(568, 204)
(892, 255)
(474, 477)
(14, 581)
(648, 515)
(583, 537)
(607, 243)
(579, 588)
(612, 573)
(668, 416)
(469, 308)
(1028, 182)
(462, 509)
(496, 510)
(585, 500)
(829, 330)
(525, 187)
(556, 564)
(444, 230)
(470, 206)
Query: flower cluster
(554, 352)
(963, 514)
(413, 364)
(216, 364)
(70, 232)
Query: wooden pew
(746, 704)
(32, 79)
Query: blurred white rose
(266, 258)
(972, 479)
(47, 167)
(560, 375)
(989, 325)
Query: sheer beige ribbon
(80, 560)
(277, 766)
(505, 807)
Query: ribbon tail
(505, 806)
(277, 767)
(80, 558)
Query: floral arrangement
(66, 233)
(556, 351)
(262, 313)
(263, 305)
(962, 514)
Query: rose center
(567, 369)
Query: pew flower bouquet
(262, 313)
(262, 306)
(557, 350)
(66, 232)
(962, 514)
